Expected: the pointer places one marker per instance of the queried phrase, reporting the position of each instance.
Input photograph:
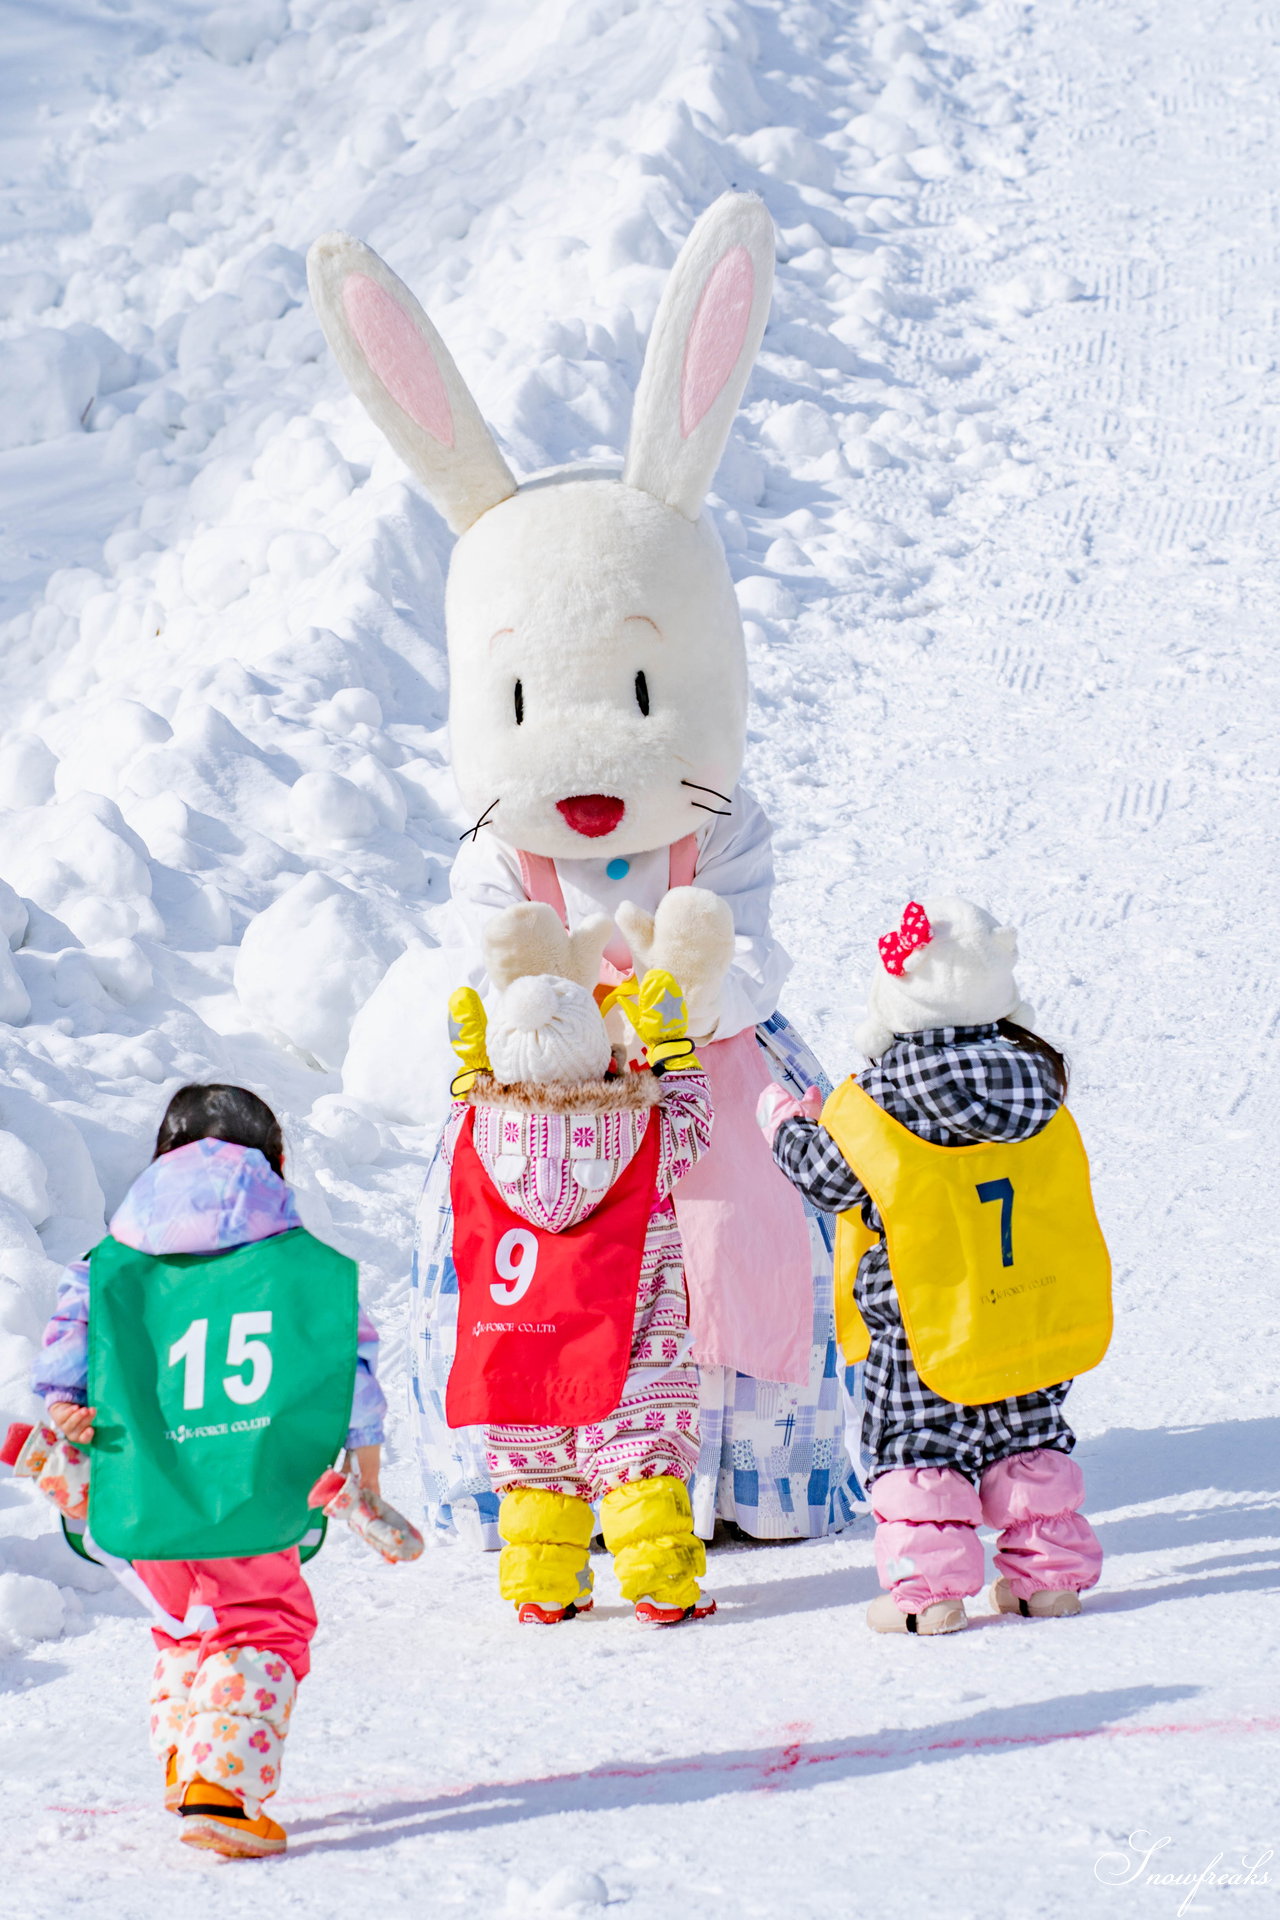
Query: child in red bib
(574, 1351)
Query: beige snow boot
(884, 1615)
(1059, 1603)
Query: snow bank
(50, 379)
(398, 1062)
(30, 1609)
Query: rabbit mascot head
(598, 686)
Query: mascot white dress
(597, 719)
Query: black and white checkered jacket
(952, 1086)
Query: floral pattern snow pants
(222, 1697)
(653, 1430)
(226, 1718)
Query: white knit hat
(547, 1032)
(948, 965)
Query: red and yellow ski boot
(545, 1565)
(648, 1528)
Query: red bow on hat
(914, 932)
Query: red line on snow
(790, 1757)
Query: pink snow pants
(262, 1602)
(927, 1519)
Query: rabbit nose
(592, 814)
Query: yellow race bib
(1001, 1271)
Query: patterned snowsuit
(654, 1428)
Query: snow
(30, 1609)
(1000, 507)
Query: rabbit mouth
(591, 814)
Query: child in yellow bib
(971, 1275)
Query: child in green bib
(213, 1358)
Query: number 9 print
(515, 1259)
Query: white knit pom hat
(547, 1032)
(947, 965)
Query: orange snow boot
(172, 1784)
(533, 1613)
(214, 1819)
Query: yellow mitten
(467, 1027)
(655, 1007)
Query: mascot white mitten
(531, 938)
(690, 936)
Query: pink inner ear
(398, 355)
(719, 328)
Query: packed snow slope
(1001, 507)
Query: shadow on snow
(691, 1779)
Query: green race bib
(223, 1386)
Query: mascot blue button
(618, 869)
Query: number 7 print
(1001, 1190)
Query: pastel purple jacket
(206, 1197)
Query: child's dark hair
(1029, 1042)
(221, 1113)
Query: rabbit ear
(400, 369)
(704, 340)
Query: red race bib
(544, 1319)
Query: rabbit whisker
(721, 813)
(701, 789)
(471, 832)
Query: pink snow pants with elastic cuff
(927, 1545)
(1045, 1543)
(262, 1602)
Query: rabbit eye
(519, 703)
(642, 694)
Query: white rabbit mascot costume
(597, 719)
